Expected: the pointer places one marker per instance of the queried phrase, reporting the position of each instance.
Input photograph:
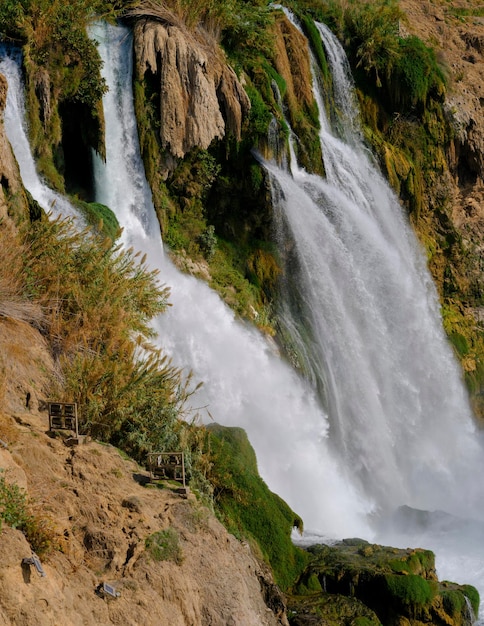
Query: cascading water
(396, 404)
(245, 382)
(399, 430)
(14, 116)
(366, 322)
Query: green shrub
(13, 504)
(164, 546)
(11, 17)
(16, 512)
(208, 242)
(414, 74)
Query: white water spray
(245, 382)
(398, 411)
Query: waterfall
(246, 383)
(398, 411)
(15, 125)
(365, 319)
(382, 419)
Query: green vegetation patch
(101, 218)
(16, 512)
(164, 545)
(248, 508)
(411, 590)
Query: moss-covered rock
(248, 508)
(398, 586)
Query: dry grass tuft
(14, 303)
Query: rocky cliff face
(201, 98)
(101, 514)
(98, 510)
(460, 44)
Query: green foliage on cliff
(401, 85)
(248, 508)
(101, 218)
(16, 511)
(98, 301)
(62, 67)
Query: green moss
(460, 343)
(415, 74)
(101, 217)
(453, 601)
(260, 115)
(275, 76)
(248, 508)
(471, 592)
(417, 562)
(164, 545)
(411, 590)
(316, 44)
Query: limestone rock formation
(201, 98)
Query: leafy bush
(16, 512)
(208, 242)
(11, 16)
(13, 504)
(99, 301)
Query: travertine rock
(103, 513)
(201, 98)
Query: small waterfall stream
(15, 125)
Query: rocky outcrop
(355, 580)
(460, 46)
(98, 510)
(102, 517)
(201, 98)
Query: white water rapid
(384, 421)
